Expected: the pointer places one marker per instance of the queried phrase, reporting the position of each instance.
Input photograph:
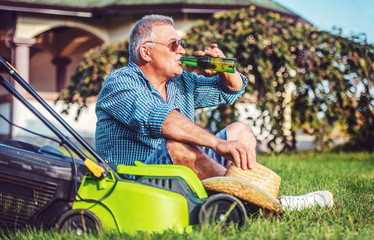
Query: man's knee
(239, 129)
(241, 132)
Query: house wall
(111, 29)
(85, 126)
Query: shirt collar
(137, 70)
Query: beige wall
(31, 25)
(109, 29)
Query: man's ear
(145, 53)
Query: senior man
(145, 110)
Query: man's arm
(181, 129)
(232, 81)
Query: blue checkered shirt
(130, 111)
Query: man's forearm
(232, 81)
(179, 128)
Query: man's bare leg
(193, 157)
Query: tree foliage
(303, 78)
(88, 79)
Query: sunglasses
(173, 45)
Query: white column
(22, 56)
(22, 64)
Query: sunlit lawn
(349, 176)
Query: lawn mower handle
(14, 73)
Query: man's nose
(181, 50)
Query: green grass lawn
(349, 176)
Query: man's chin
(179, 72)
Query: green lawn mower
(44, 188)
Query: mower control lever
(97, 170)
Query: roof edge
(137, 9)
(45, 9)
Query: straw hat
(258, 186)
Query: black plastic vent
(21, 198)
(165, 183)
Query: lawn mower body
(169, 197)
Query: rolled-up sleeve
(212, 92)
(157, 118)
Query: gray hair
(143, 31)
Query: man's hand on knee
(237, 152)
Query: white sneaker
(321, 198)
